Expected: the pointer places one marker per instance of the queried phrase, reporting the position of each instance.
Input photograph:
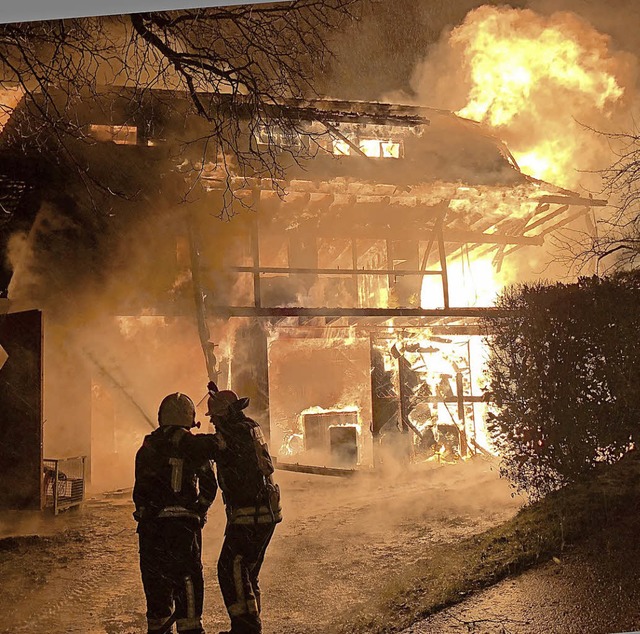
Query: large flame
(473, 281)
(539, 81)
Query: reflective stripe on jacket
(262, 514)
(169, 480)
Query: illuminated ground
(340, 539)
(592, 588)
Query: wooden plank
(443, 269)
(545, 219)
(255, 269)
(437, 227)
(297, 311)
(315, 470)
(574, 200)
(283, 270)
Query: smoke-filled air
(432, 164)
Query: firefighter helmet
(177, 409)
(220, 403)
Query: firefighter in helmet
(252, 503)
(172, 494)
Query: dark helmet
(177, 409)
(225, 401)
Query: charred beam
(297, 311)
(466, 330)
(200, 301)
(354, 264)
(571, 200)
(443, 267)
(547, 218)
(464, 398)
(344, 138)
(555, 227)
(348, 112)
(316, 271)
(436, 231)
(303, 468)
(417, 233)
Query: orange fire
(472, 282)
(539, 81)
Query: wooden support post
(473, 407)
(390, 278)
(56, 476)
(404, 397)
(464, 447)
(443, 268)
(436, 228)
(385, 408)
(376, 422)
(199, 296)
(354, 264)
(498, 258)
(592, 232)
(255, 255)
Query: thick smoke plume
(120, 330)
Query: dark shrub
(564, 370)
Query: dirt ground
(341, 539)
(591, 588)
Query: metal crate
(64, 482)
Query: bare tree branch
(228, 63)
(614, 241)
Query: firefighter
(172, 494)
(252, 503)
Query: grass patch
(450, 572)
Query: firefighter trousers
(171, 567)
(239, 565)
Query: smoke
(615, 18)
(87, 266)
(89, 262)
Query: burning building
(343, 297)
(360, 290)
